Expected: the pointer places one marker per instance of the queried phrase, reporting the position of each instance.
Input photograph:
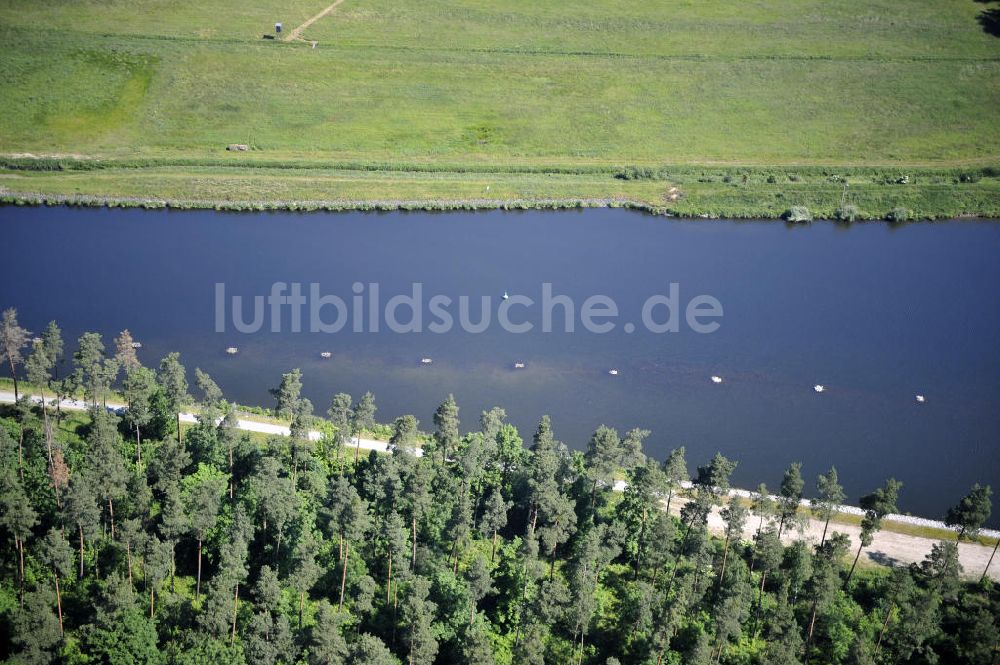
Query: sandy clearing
(888, 548)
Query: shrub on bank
(640, 173)
(847, 213)
(898, 214)
(797, 214)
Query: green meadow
(551, 98)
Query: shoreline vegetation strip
(277, 427)
(847, 193)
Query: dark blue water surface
(878, 314)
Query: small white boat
(921, 399)
(716, 379)
(325, 354)
(613, 372)
(232, 350)
(819, 387)
(426, 361)
(136, 345)
(506, 296)
(518, 365)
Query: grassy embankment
(444, 104)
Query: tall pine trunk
(680, 553)
(725, 557)
(20, 454)
(853, 566)
(826, 526)
(987, 568)
(812, 627)
(81, 550)
(413, 556)
(552, 562)
(59, 604)
(13, 375)
(638, 553)
(388, 587)
(881, 633)
(20, 550)
(343, 575)
(760, 602)
(236, 609)
(197, 589)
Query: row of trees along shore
(128, 541)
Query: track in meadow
(296, 32)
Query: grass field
(461, 86)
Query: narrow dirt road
(297, 32)
(888, 548)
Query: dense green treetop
(222, 546)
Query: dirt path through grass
(297, 32)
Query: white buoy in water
(613, 372)
(505, 296)
(921, 399)
(716, 379)
(819, 387)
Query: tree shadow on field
(883, 558)
(990, 20)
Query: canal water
(875, 313)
